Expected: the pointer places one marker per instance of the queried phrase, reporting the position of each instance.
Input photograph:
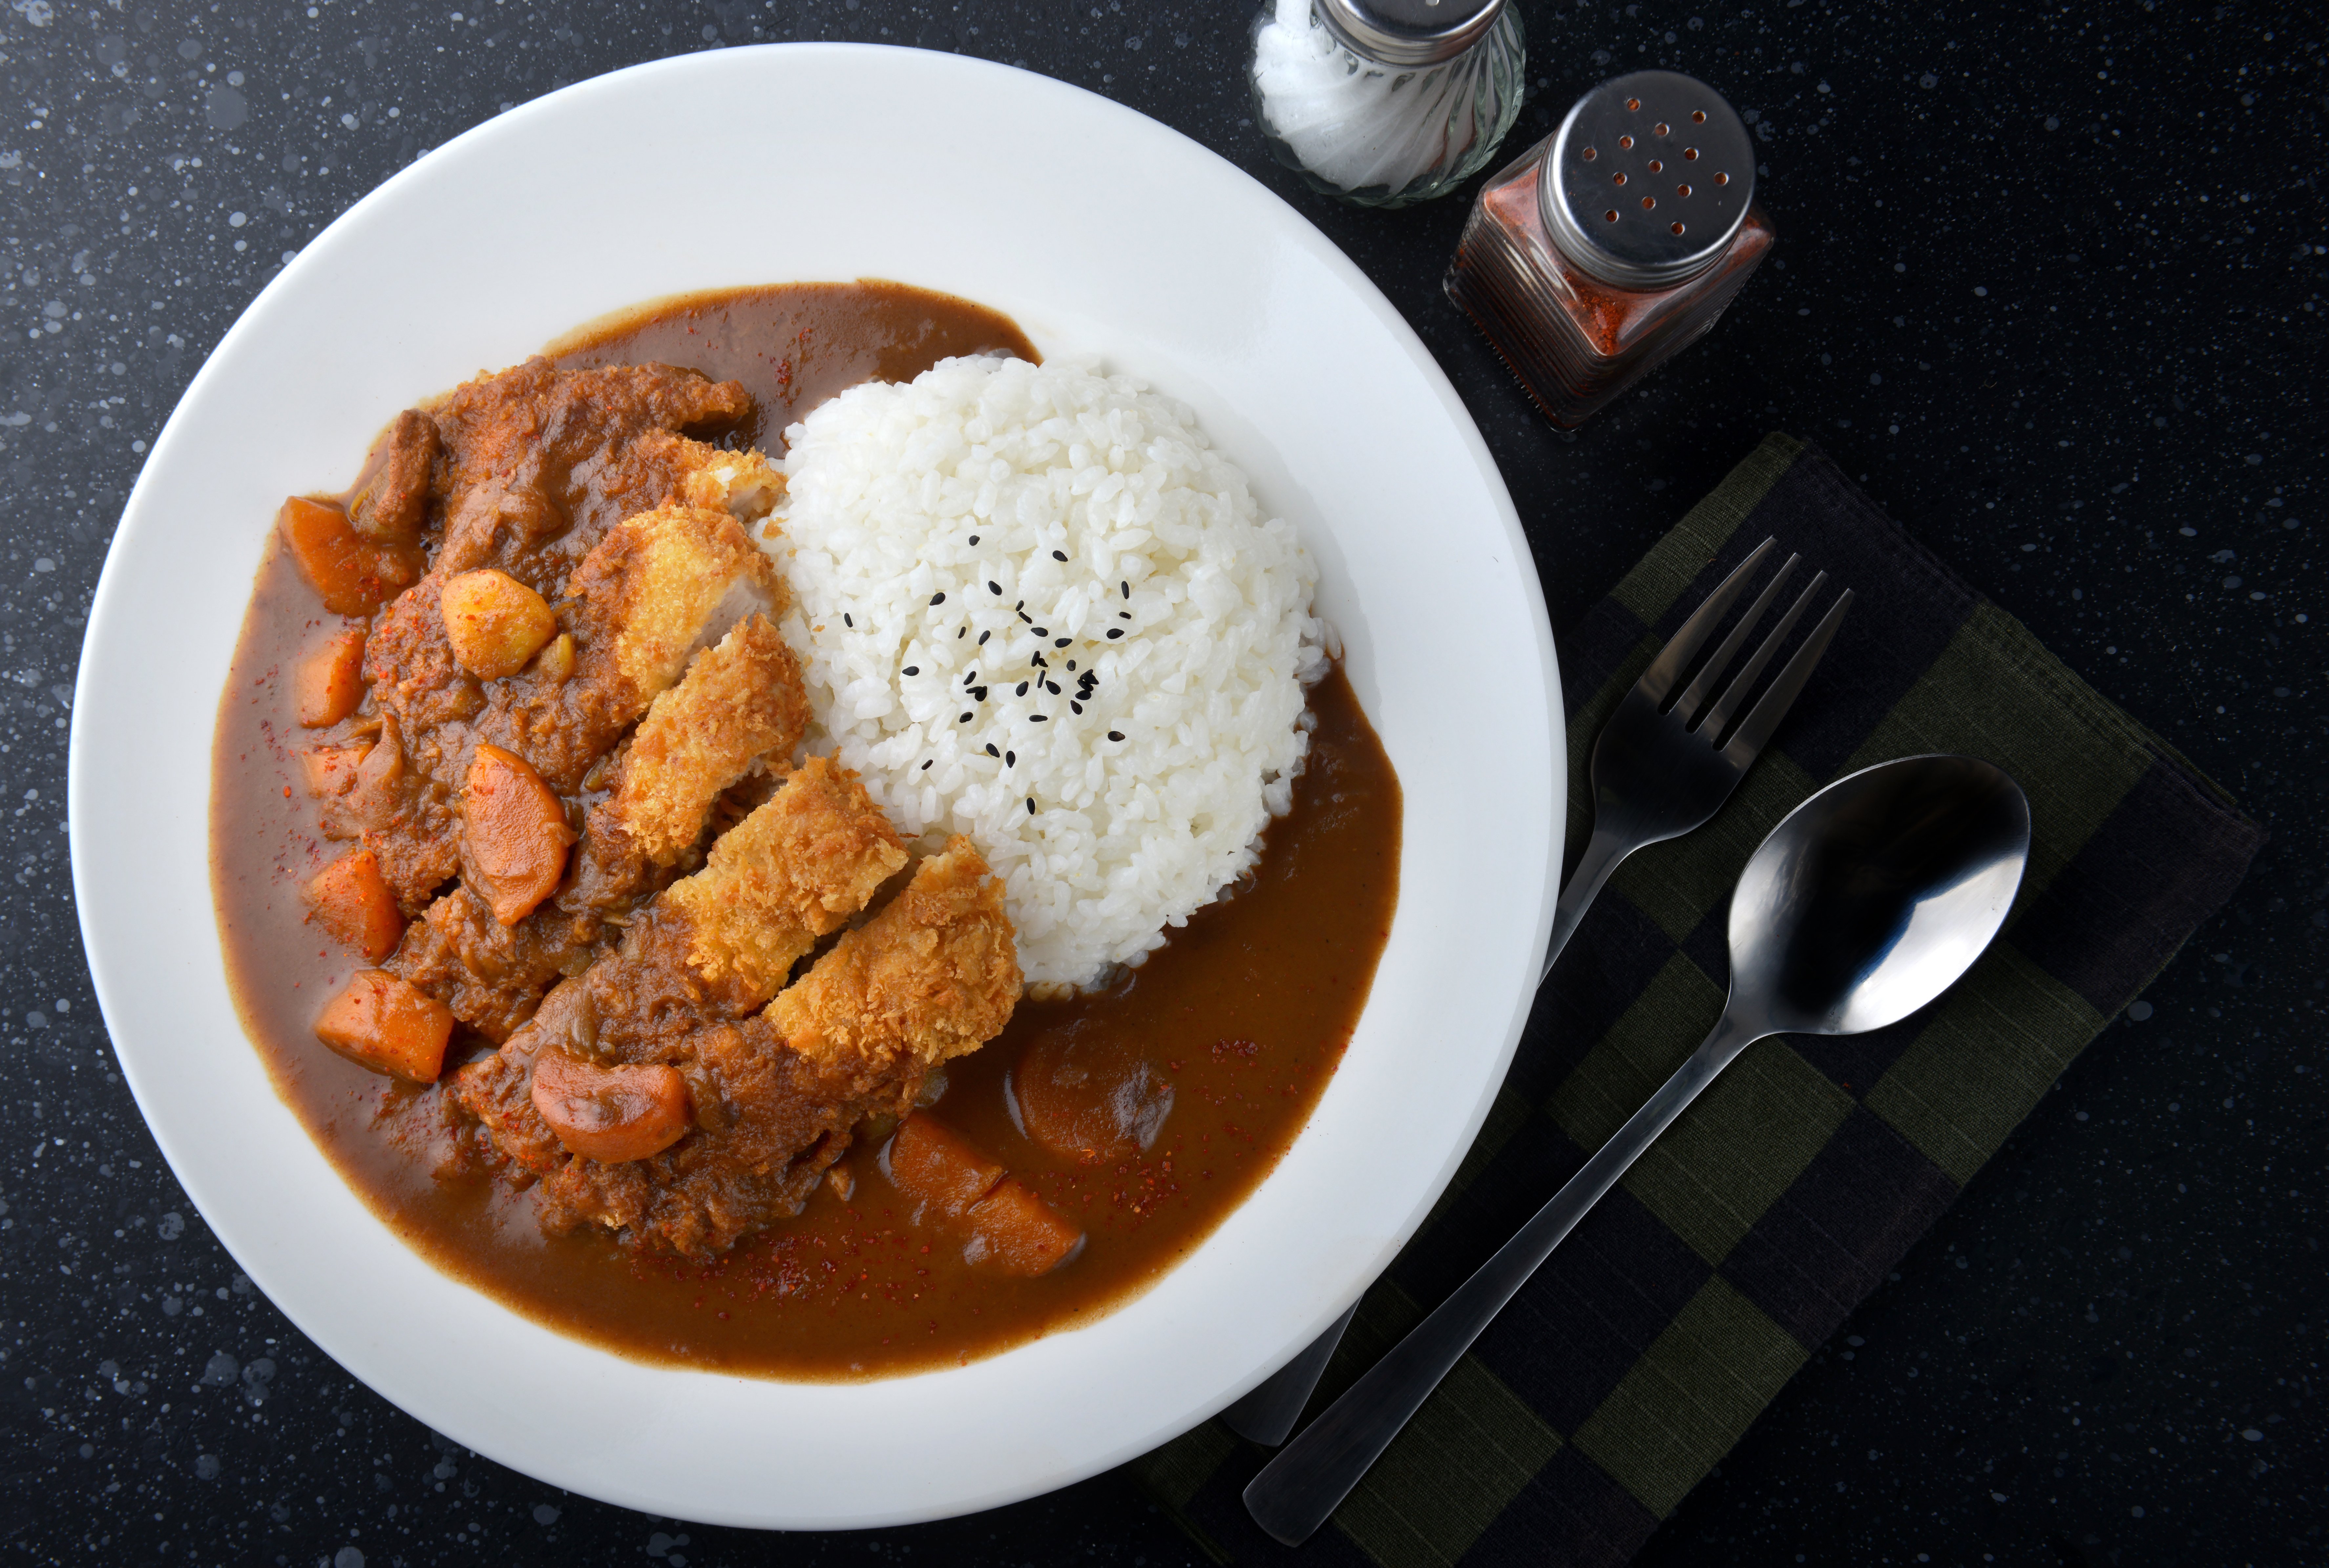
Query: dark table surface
(2050, 283)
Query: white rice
(888, 485)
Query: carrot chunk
(614, 1114)
(352, 575)
(329, 683)
(514, 847)
(351, 901)
(385, 1024)
(494, 622)
(1013, 1231)
(936, 1165)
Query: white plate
(1100, 231)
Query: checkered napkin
(1677, 1308)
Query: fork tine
(1720, 714)
(1674, 658)
(1756, 727)
(1719, 659)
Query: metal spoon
(1867, 901)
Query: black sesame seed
(914, 669)
(979, 693)
(1025, 616)
(1036, 658)
(1030, 806)
(926, 766)
(1043, 631)
(1124, 615)
(1059, 642)
(973, 539)
(1053, 687)
(936, 599)
(1079, 707)
(845, 620)
(991, 751)
(962, 634)
(1071, 664)
(995, 589)
(1127, 589)
(1021, 604)
(1116, 734)
(1059, 555)
(971, 679)
(1023, 688)
(983, 636)
(964, 720)
(1036, 718)
(1010, 759)
(1114, 632)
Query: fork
(1660, 769)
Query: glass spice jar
(1385, 102)
(1613, 244)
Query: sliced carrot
(1013, 1231)
(388, 1025)
(517, 838)
(352, 575)
(330, 682)
(936, 1165)
(610, 1113)
(494, 622)
(351, 901)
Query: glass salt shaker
(1615, 242)
(1385, 102)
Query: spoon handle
(1310, 1476)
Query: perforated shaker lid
(1648, 179)
(1408, 32)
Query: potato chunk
(514, 846)
(389, 1026)
(330, 684)
(353, 902)
(496, 623)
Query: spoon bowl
(1874, 895)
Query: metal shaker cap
(1648, 180)
(1408, 32)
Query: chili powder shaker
(1385, 102)
(1615, 243)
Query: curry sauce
(1228, 1034)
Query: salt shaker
(1385, 102)
(1615, 242)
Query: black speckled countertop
(2050, 284)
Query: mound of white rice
(1033, 605)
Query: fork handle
(1603, 851)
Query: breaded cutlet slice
(741, 701)
(661, 585)
(796, 868)
(934, 975)
(742, 484)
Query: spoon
(1867, 901)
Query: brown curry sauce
(1244, 1012)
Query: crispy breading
(934, 975)
(794, 870)
(661, 585)
(743, 484)
(741, 701)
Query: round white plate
(1102, 233)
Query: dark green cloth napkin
(1678, 1307)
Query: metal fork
(1658, 772)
